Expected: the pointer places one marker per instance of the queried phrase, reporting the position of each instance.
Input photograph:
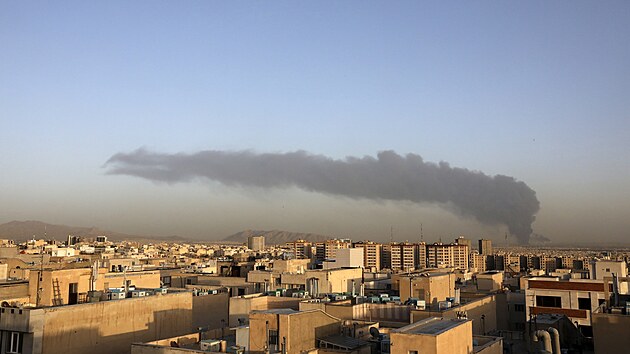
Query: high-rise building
(400, 256)
(301, 249)
(328, 249)
(485, 247)
(461, 240)
(72, 240)
(371, 254)
(421, 255)
(477, 262)
(441, 255)
(256, 243)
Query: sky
(538, 91)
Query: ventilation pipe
(546, 338)
(556, 339)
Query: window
(548, 301)
(584, 303)
(166, 281)
(14, 343)
(273, 338)
(519, 307)
(413, 352)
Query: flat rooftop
(282, 311)
(431, 326)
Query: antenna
(391, 234)
(421, 235)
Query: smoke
(538, 238)
(389, 176)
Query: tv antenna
(391, 234)
(421, 235)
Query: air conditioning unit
(210, 345)
(117, 295)
(138, 293)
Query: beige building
(480, 309)
(490, 281)
(477, 262)
(400, 256)
(371, 255)
(301, 249)
(428, 287)
(256, 243)
(441, 336)
(312, 331)
(240, 307)
(328, 249)
(485, 247)
(289, 331)
(346, 257)
(447, 255)
(326, 281)
(55, 287)
(100, 327)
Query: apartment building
(371, 255)
(301, 249)
(447, 255)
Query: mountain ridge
(276, 237)
(25, 230)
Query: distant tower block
(256, 243)
(461, 240)
(485, 247)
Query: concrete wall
(14, 292)
(610, 333)
(4, 271)
(111, 326)
(488, 345)
(210, 310)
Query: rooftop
(277, 311)
(342, 342)
(431, 326)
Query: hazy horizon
(536, 91)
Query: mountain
(275, 237)
(26, 230)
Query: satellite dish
(375, 333)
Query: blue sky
(535, 90)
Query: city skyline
(537, 91)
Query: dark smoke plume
(389, 176)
